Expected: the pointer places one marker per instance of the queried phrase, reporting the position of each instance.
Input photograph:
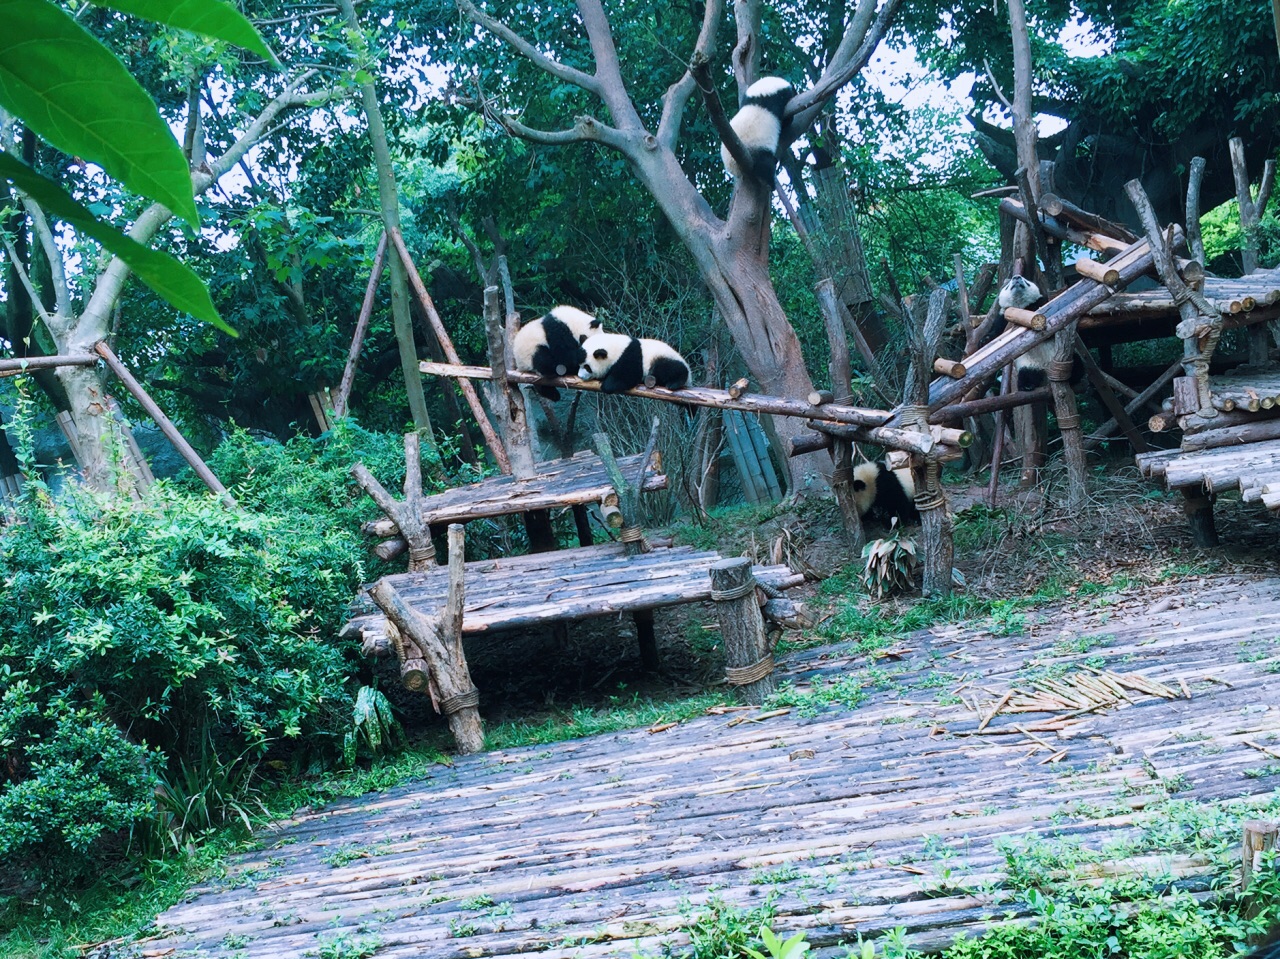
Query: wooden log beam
(689, 396)
(1110, 426)
(1118, 412)
(1069, 305)
(171, 433)
(1240, 435)
(1056, 206)
(989, 404)
(12, 367)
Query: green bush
(142, 640)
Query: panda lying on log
(622, 363)
(552, 345)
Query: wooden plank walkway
(891, 814)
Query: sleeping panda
(882, 494)
(759, 126)
(1029, 368)
(623, 362)
(552, 344)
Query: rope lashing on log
(927, 499)
(841, 474)
(422, 558)
(746, 675)
(631, 534)
(734, 592)
(1059, 370)
(454, 704)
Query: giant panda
(623, 362)
(552, 344)
(883, 494)
(758, 124)
(1029, 368)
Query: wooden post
(748, 662)
(648, 640)
(1198, 506)
(1195, 238)
(436, 641)
(406, 514)
(1068, 416)
(343, 396)
(506, 399)
(166, 425)
(632, 536)
(842, 450)
(1259, 839)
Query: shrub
(139, 638)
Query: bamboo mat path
(860, 820)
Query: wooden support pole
(406, 514)
(343, 396)
(748, 662)
(990, 404)
(1098, 379)
(1260, 838)
(841, 370)
(451, 354)
(647, 638)
(1068, 417)
(437, 643)
(185, 450)
(1195, 181)
(997, 445)
(1198, 507)
(1135, 405)
(507, 400)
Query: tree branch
(26, 281)
(677, 95)
(499, 29)
(40, 225)
(700, 69)
(844, 66)
(612, 89)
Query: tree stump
(748, 662)
(430, 650)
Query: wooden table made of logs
(577, 482)
(542, 588)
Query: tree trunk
(98, 433)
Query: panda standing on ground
(622, 363)
(882, 494)
(758, 125)
(552, 344)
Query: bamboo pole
(185, 450)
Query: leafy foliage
(144, 640)
(890, 564)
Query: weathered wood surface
(1230, 296)
(1253, 469)
(861, 820)
(570, 584)
(559, 483)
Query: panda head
(1018, 292)
(580, 324)
(602, 351)
(866, 476)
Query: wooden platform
(573, 482)
(522, 591)
(896, 814)
(1239, 296)
(1253, 469)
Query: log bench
(582, 583)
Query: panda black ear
(582, 339)
(601, 354)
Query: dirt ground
(1129, 530)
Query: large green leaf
(71, 90)
(211, 18)
(173, 280)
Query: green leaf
(210, 18)
(71, 90)
(172, 279)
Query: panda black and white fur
(758, 124)
(552, 344)
(623, 362)
(1029, 369)
(882, 494)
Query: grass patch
(583, 721)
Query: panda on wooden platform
(882, 494)
(552, 344)
(623, 362)
(758, 125)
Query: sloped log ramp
(559, 483)
(1253, 469)
(894, 814)
(522, 591)
(1071, 304)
